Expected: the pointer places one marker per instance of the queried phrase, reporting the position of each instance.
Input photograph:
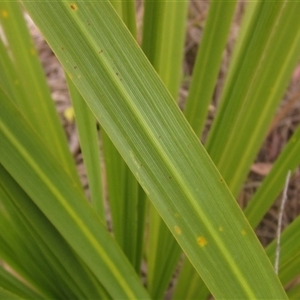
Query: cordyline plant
(54, 243)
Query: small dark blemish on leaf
(101, 51)
(73, 6)
(75, 67)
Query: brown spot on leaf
(73, 6)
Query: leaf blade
(37, 171)
(158, 145)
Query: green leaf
(126, 11)
(254, 87)
(289, 252)
(150, 132)
(123, 199)
(205, 73)
(53, 256)
(163, 43)
(294, 292)
(89, 144)
(163, 40)
(29, 86)
(126, 198)
(208, 62)
(5, 294)
(35, 169)
(189, 284)
(10, 283)
(272, 185)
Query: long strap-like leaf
(157, 143)
(32, 165)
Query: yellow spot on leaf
(73, 6)
(177, 230)
(4, 14)
(221, 228)
(244, 232)
(69, 114)
(32, 51)
(201, 241)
